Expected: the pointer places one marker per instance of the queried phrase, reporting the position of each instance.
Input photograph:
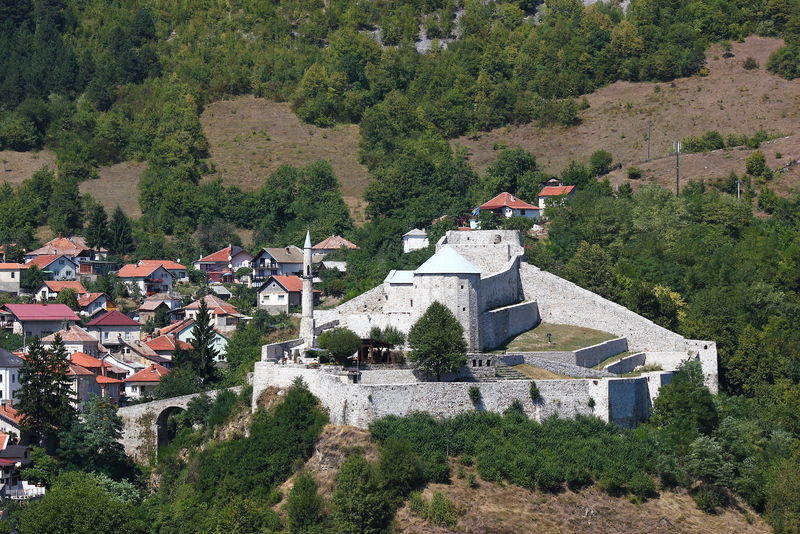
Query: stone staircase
(504, 372)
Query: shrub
(472, 481)
(642, 485)
(340, 342)
(475, 394)
(304, 505)
(634, 173)
(591, 403)
(536, 395)
(750, 63)
(600, 162)
(708, 497)
(439, 510)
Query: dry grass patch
(18, 166)
(118, 185)
(563, 337)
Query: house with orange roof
(332, 244)
(148, 278)
(10, 418)
(553, 192)
(280, 294)
(50, 289)
(76, 339)
(166, 344)
(506, 205)
(183, 332)
(55, 266)
(221, 266)
(90, 261)
(10, 277)
(92, 303)
(109, 379)
(114, 328)
(83, 385)
(136, 355)
(224, 316)
(178, 271)
(144, 383)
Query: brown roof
(73, 333)
(133, 270)
(507, 200)
(212, 301)
(7, 411)
(176, 326)
(334, 242)
(61, 285)
(556, 190)
(149, 374)
(290, 254)
(61, 245)
(167, 342)
(152, 305)
(87, 298)
(12, 266)
(292, 284)
(167, 264)
(222, 255)
(77, 370)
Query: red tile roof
(7, 411)
(176, 326)
(167, 342)
(113, 318)
(84, 360)
(334, 242)
(87, 298)
(60, 285)
(101, 379)
(226, 254)
(12, 266)
(41, 312)
(507, 200)
(556, 190)
(77, 370)
(291, 283)
(73, 333)
(43, 261)
(212, 301)
(149, 374)
(167, 264)
(133, 270)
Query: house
(551, 194)
(281, 261)
(173, 301)
(507, 205)
(165, 345)
(178, 271)
(414, 240)
(90, 261)
(144, 383)
(148, 278)
(221, 266)
(50, 289)
(9, 375)
(92, 303)
(150, 309)
(55, 266)
(76, 339)
(332, 244)
(224, 317)
(137, 355)
(36, 319)
(83, 385)
(183, 332)
(10, 419)
(280, 294)
(220, 291)
(128, 367)
(109, 379)
(12, 457)
(11, 277)
(114, 327)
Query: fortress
(482, 277)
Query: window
(1, 379)
(105, 335)
(13, 378)
(281, 298)
(13, 275)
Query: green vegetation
(342, 343)
(437, 341)
(713, 140)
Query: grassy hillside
(730, 99)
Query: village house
(554, 192)
(92, 303)
(108, 378)
(11, 277)
(76, 339)
(137, 355)
(144, 383)
(55, 266)
(90, 262)
(332, 244)
(414, 240)
(50, 289)
(224, 317)
(221, 266)
(281, 261)
(114, 327)
(183, 332)
(281, 294)
(148, 278)
(506, 205)
(10, 419)
(82, 384)
(9, 375)
(13, 457)
(152, 308)
(37, 320)
(178, 271)
(165, 345)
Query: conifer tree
(203, 351)
(97, 227)
(120, 239)
(437, 341)
(65, 213)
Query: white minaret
(307, 318)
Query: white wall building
(9, 375)
(414, 240)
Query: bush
(750, 63)
(472, 481)
(304, 505)
(340, 342)
(475, 395)
(439, 510)
(709, 497)
(536, 395)
(600, 162)
(634, 173)
(642, 485)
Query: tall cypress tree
(120, 239)
(97, 228)
(203, 351)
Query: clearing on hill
(249, 138)
(19, 166)
(731, 100)
(118, 185)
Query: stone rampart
(276, 351)
(500, 325)
(554, 366)
(488, 250)
(626, 364)
(502, 288)
(591, 356)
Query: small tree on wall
(340, 342)
(437, 341)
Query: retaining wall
(498, 326)
(276, 351)
(591, 356)
(502, 288)
(555, 366)
(626, 364)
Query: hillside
(730, 99)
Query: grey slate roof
(447, 261)
(9, 360)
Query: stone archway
(165, 434)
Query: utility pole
(738, 190)
(678, 147)
(649, 128)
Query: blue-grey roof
(447, 261)
(9, 360)
(416, 232)
(399, 277)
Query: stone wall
(591, 356)
(276, 351)
(500, 325)
(459, 292)
(502, 288)
(488, 250)
(626, 364)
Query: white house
(279, 294)
(143, 383)
(113, 328)
(507, 205)
(222, 265)
(280, 260)
(50, 289)
(9, 375)
(183, 332)
(56, 266)
(414, 240)
(224, 317)
(550, 194)
(91, 303)
(37, 320)
(148, 278)
(10, 277)
(75, 339)
(178, 271)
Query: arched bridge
(145, 425)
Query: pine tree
(45, 395)
(97, 228)
(203, 351)
(437, 341)
(120, 239)
(65, 213)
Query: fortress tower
(307, 318)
